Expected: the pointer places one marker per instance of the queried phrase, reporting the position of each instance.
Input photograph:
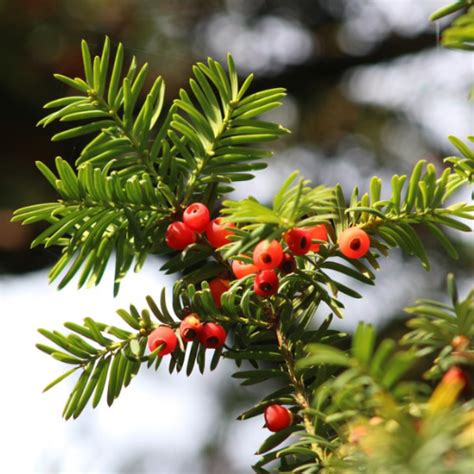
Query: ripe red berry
(298, 240)
(266, 283)
(354, 242)
(217, 287)
(277, 417)
(455, 375)
(318, 232)
(196, 216)
(178, 236)
(218, 232)
(268, 255)
(212, 335)
(165, 336)
(288, 264)
(190, 327)
(242, 269)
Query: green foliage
(460, 34)
(464, 166)
(414, 200)
(109, 357)
(140, 170)
(437, 444)
(369, 373)
(356, 409)
(436, 325)
(451, 8)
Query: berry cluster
(210, 335)
(196, 220)
(269, 256)
(353, 241)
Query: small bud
(460, 343)
(190, 327)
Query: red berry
(288, 264)
(354, 242)
(165, 336)
(277, 417)
(298, 240)
(318, 232)
(217, 287)
(178, 236)
(190, 327)
(218, 232)
(266, 283)
(455, 375)
(268, 255)
(242, 269)
(212, 335)
(196, 216)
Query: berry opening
(189, 333)
(212, 340)
(355, 244)
(267, 255)
(266, 287)
(303, 242)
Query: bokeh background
(369, 92)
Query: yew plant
(250, 277)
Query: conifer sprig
(139, 169)
(350, 410)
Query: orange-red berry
(298, 240)
(318, 232)
(288, 264)
(217, 287)
(196, 216)
(277, 417)
(455, 375)
(242, 269)
(178, 236)
(354, 242)
(266, 283)
(162, 336)
(212, 335)
(268, 255)
(190, 327)
(218, 232)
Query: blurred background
(370, 92)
